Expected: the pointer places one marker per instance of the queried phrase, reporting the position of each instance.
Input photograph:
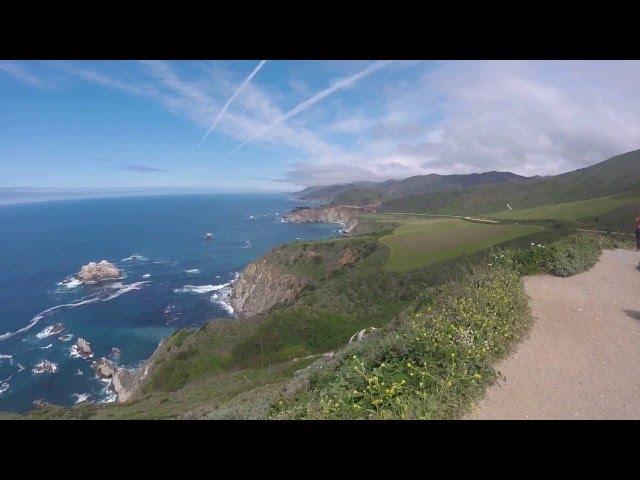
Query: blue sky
(105, 124)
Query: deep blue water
(157, 240)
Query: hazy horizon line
(24, 195)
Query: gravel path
(581, 359)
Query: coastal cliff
(344, 215)
(261, 286)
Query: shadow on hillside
(633, 314)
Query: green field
(570, 211)
(422, 241)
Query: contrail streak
(301, 107)
(235, 94)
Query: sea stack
(104, 368)
(98, 272)
(83, 348)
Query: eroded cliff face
(343, 215)
(261, 286)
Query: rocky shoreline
(344, 215)
(259, 287)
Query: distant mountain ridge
(361, 193)
(487, 192)
(614, 176)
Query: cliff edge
(344, 215)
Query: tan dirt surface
(581, 359)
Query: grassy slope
(570, 211)
(432, 362)
(425, 241)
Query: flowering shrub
(566, 257)
(524, 261)
(573, 254)
(432, 363)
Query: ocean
(173, 279)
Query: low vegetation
(437, 357)
(432, 362)
(568, 256)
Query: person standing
(638, 231)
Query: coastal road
(581, 359)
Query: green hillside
(614, 176)
(351, 193)
(358, 197)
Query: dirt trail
(581, 359)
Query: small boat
(208, 236)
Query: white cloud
(340, 84)
(242, 86)
(21, 73)
(527, 117)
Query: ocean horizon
(173, 278)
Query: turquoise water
(173, 279)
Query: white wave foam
(66, 338)
(195, 289)
(121, 289)
(45, 348)
(202, 288)
(110, 398)
(79, 372)
(81, 397)
(70, 282)
(21, 367)
(221, 297)
(248, 244)
(48, 331)
(136, 257)
(192, 270)
(4, 386)
(45, 366)
(124, 289)
(7, 357)
(74, 352)
(146, 275)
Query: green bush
(574, 254)
(431, 363)
(563, 258)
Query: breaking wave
(135, 257)
(101, 297)
(221, 296)
(81, 397)
(70, 282)
(7, 357)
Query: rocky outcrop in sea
(124, 382)
(45, 366)
(81, 349)
(98, 272)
